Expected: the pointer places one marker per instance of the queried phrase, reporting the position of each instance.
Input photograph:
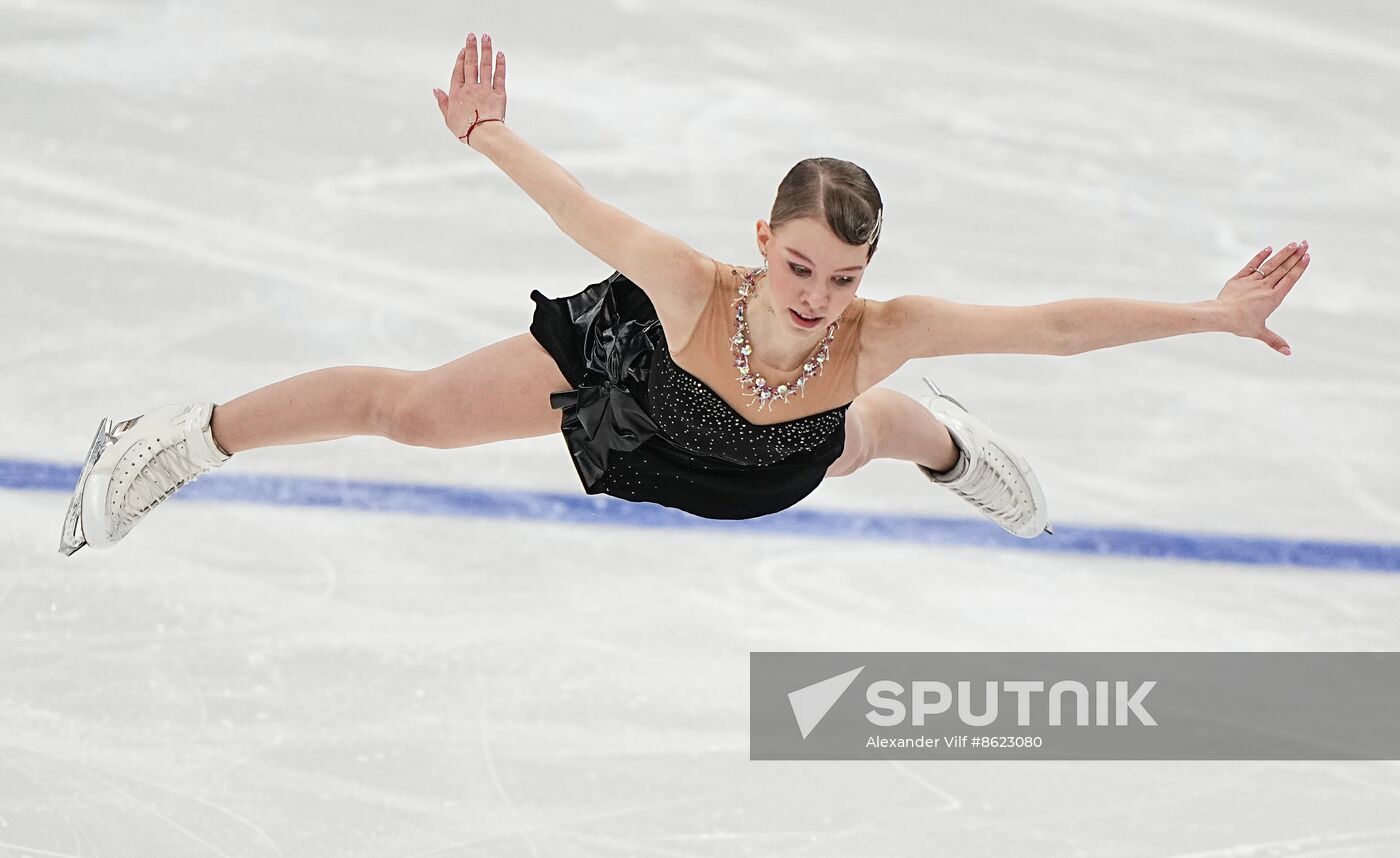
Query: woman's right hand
(474, 92)
(1257, 290)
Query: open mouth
(804, 321)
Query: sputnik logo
(810, 704)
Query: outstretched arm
(928, 327)
(652, 259)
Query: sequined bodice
(693, 416)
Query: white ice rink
(197, 199)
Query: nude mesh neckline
(707, 355)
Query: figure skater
(725, 391)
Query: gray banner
(1074, 706)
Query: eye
(803, 272)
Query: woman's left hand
(1257, 290)
(477, 91)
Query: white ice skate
(134, 465)
(988, 474)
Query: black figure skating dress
(641, 428)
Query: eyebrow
(798, 254)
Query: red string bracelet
(477, 120)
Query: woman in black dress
(597, 365)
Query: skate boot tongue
(954, 473)
(199, 435)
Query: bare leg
(886, 424)
(498, 392)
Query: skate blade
(938, 392)
(72, 537)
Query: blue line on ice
(415, 499)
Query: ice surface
(198, 199)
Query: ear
(764, 235)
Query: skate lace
(166, 471)
(990, 490)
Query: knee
(862, 430)
(407, 411)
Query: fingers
(459, 71)
(1285, 285)
(441, 101)
(479, 64)
(1276, 260)
(1279, 259)
(1275, 342)
(1251, 265)
(484, 70)
(1282, 263)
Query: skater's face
(811, 272)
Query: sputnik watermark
(1075, 705)
(889, 708)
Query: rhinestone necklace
(756, 387)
